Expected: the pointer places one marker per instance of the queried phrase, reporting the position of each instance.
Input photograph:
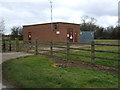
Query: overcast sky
(25, 12)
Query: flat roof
(50, 23)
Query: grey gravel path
(11, 55)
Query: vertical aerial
(119, 13)
(51, 13)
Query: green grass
(97, 54)
(12, 42)
(38, 72)
(106, 40)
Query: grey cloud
(26, 11)
(97, 8)
(23, 13)
(20, 13)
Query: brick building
(60, 31)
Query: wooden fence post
(51, 47)
(36, 47)
(9, 45)
(92, 51)
(68, 46)
(27, 46)
(3, 47)
(17, 45)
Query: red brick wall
(76, 27)
(43, 31)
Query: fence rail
(50, 46)
(107, 51)
(107, 45)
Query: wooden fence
(43, 47)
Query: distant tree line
(88, 24)
(107, 33)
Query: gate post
(68, 46)
(51, 47)
(36, 47)
(93, 52)
(3, 46)
(17, 45)
(9, 45)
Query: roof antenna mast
(51, 12)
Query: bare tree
(84, 19)
(17, 32)
(87, 19)
(88, 23)
(92, 20)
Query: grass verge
(38, 72)
(106, 40)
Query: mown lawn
(97, 54)
(38, 72)
(106, 40)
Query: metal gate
(86, 36)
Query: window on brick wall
(55, 27)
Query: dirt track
(81, 64)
